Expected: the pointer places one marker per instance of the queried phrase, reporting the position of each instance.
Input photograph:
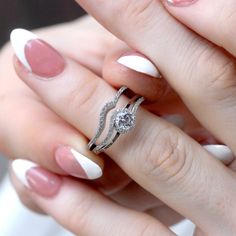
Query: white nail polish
(139, 64)
(93, 170)
(175, 119)
(221, 152)
(20, 168)
(19, 39)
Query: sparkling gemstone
(124, 121)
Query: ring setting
(124, 120)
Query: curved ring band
(121, 122)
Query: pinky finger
(80, 209)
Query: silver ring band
(121, 122)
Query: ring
(121, 122)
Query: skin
(182, 170)
(101, 60)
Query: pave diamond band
(122, 121)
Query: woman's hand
(161, 158)
(157, 155)
(38, 131)
(116, 75)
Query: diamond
(124, 120)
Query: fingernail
(36, 55)
(221, 152)
(180, 3)
(76, 164)
(36, 178)
(175, 119)
(140, 64)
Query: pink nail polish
(180, 3)
(76, 164)
(43, 182)
(36, 178)
(36, 55)
(44, 60)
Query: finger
(54, 141)
(192, 66)
(52, 138)
(135, 197)
(113, 180)
(85, 211)
(213, 20)
(124, 66)
(165, 215)
(24, 195)
(38, 132)
(129, 194)
(198, 232)
(157, 155)
(81, 46)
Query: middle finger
(157, 155)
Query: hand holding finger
(82, 206)
(160, 157)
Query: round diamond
(124, 121)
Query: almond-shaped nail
(221, 152)
(36, 55)
(180, 3)
(139, 64)
(37, 179)
(77, 164)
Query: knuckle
(217, 73)
(83, 96)
(136, 12)
(165, 157)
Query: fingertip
(140, 64)
(123, 66)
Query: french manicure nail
(175, 119)
(221, 152)
(180, 3)
(36, 178)
(76, 164)
(140, 64)
(36, 55)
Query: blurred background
(15, 219)
(31, 14)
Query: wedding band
(122, 121)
